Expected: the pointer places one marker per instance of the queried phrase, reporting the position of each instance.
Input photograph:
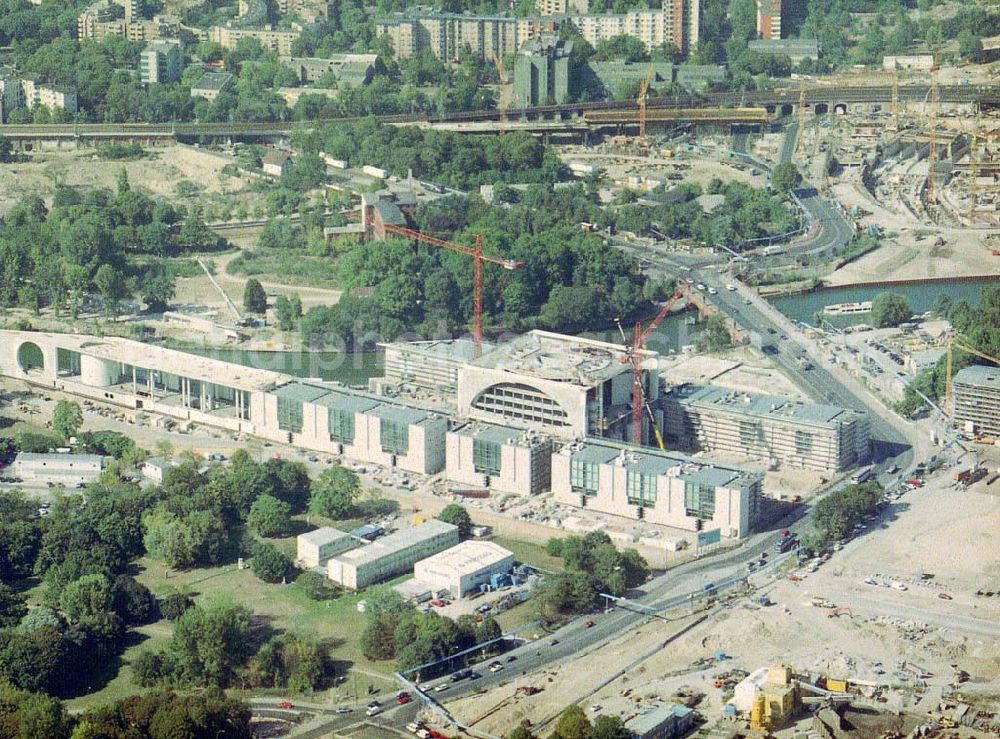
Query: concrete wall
(733, 507)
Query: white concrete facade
(58, 469)
(315, 548)
(658, 487)
(464, 568)
(499, 458)
(391, 555)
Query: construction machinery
(955, 343)
(643, 92)
(476, 252)
(935, 102)
(634, 356)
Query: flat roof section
(323, 535)
(762, 406)
(398, 541)
(498, 434)
(153, 357)
(457, 350)
(400, 414)
(469, 556)
(559, 358)
(649, 461)
(352, 401)
(979, 374)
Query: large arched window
(30, 357)
(520, 402)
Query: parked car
(373, 711)
(285, 704)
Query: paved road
(834, 231)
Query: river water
(354, 368)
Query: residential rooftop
(771, 407)
(217, 81)
(559, 358)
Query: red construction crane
(634, 356)
(476, 252)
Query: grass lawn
(530, 553)
(287, 266)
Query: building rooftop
(468, 556)
(651, 719)
(559, 358)
(58, 458)
(352, 401)
(213, 81)
(762, 406)
(499, 434)
(159, 462)
(323, 535)
(979, 374)
(456, 350)
(276, 156)
(395, 542)
(151, 356)
(790, 46)
(650, 461)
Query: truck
(785, 544)
(773, 249)
(863, 475)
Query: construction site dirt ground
(936, 530)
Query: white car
(731, 287)
(895, 585)
(712, 291)
(441, 688)
(373, 711)
(870, 581)
(496, 667)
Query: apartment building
(810, 435)
(391, 555)
(545, 72)
(562, 7)
(976, 398)
(447, 34)
(161, 61)
(769, 19)
(666, 488)
(51, 96)
(121, 18)
(271, 39)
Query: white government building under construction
(528, 416)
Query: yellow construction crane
(643, 91)
(504, 102)
(932, 134)
(954, 343)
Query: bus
(863, 475)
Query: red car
(438, 603)
(589, 624)
(284, 704)
(402, 700)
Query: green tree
(609, 727)
(572, 724)
(269, 563)
(67, 418)
(334, 493)
(254, 297)
(890, 309)
(714, 335)
(6, 150)
(270, 516)
(785, 177)
(209, 643)
(112, 286)
(86, 598)
(287, 311)
(456, 515)
(13, 606)
(157, 292)
(523, 731)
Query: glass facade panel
(341, 424)
(394, 436)
(699, 500)
(640, 489)
(290, 415)
(486, 457)
(583, 476)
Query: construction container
(836, 686)
(779, 675)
